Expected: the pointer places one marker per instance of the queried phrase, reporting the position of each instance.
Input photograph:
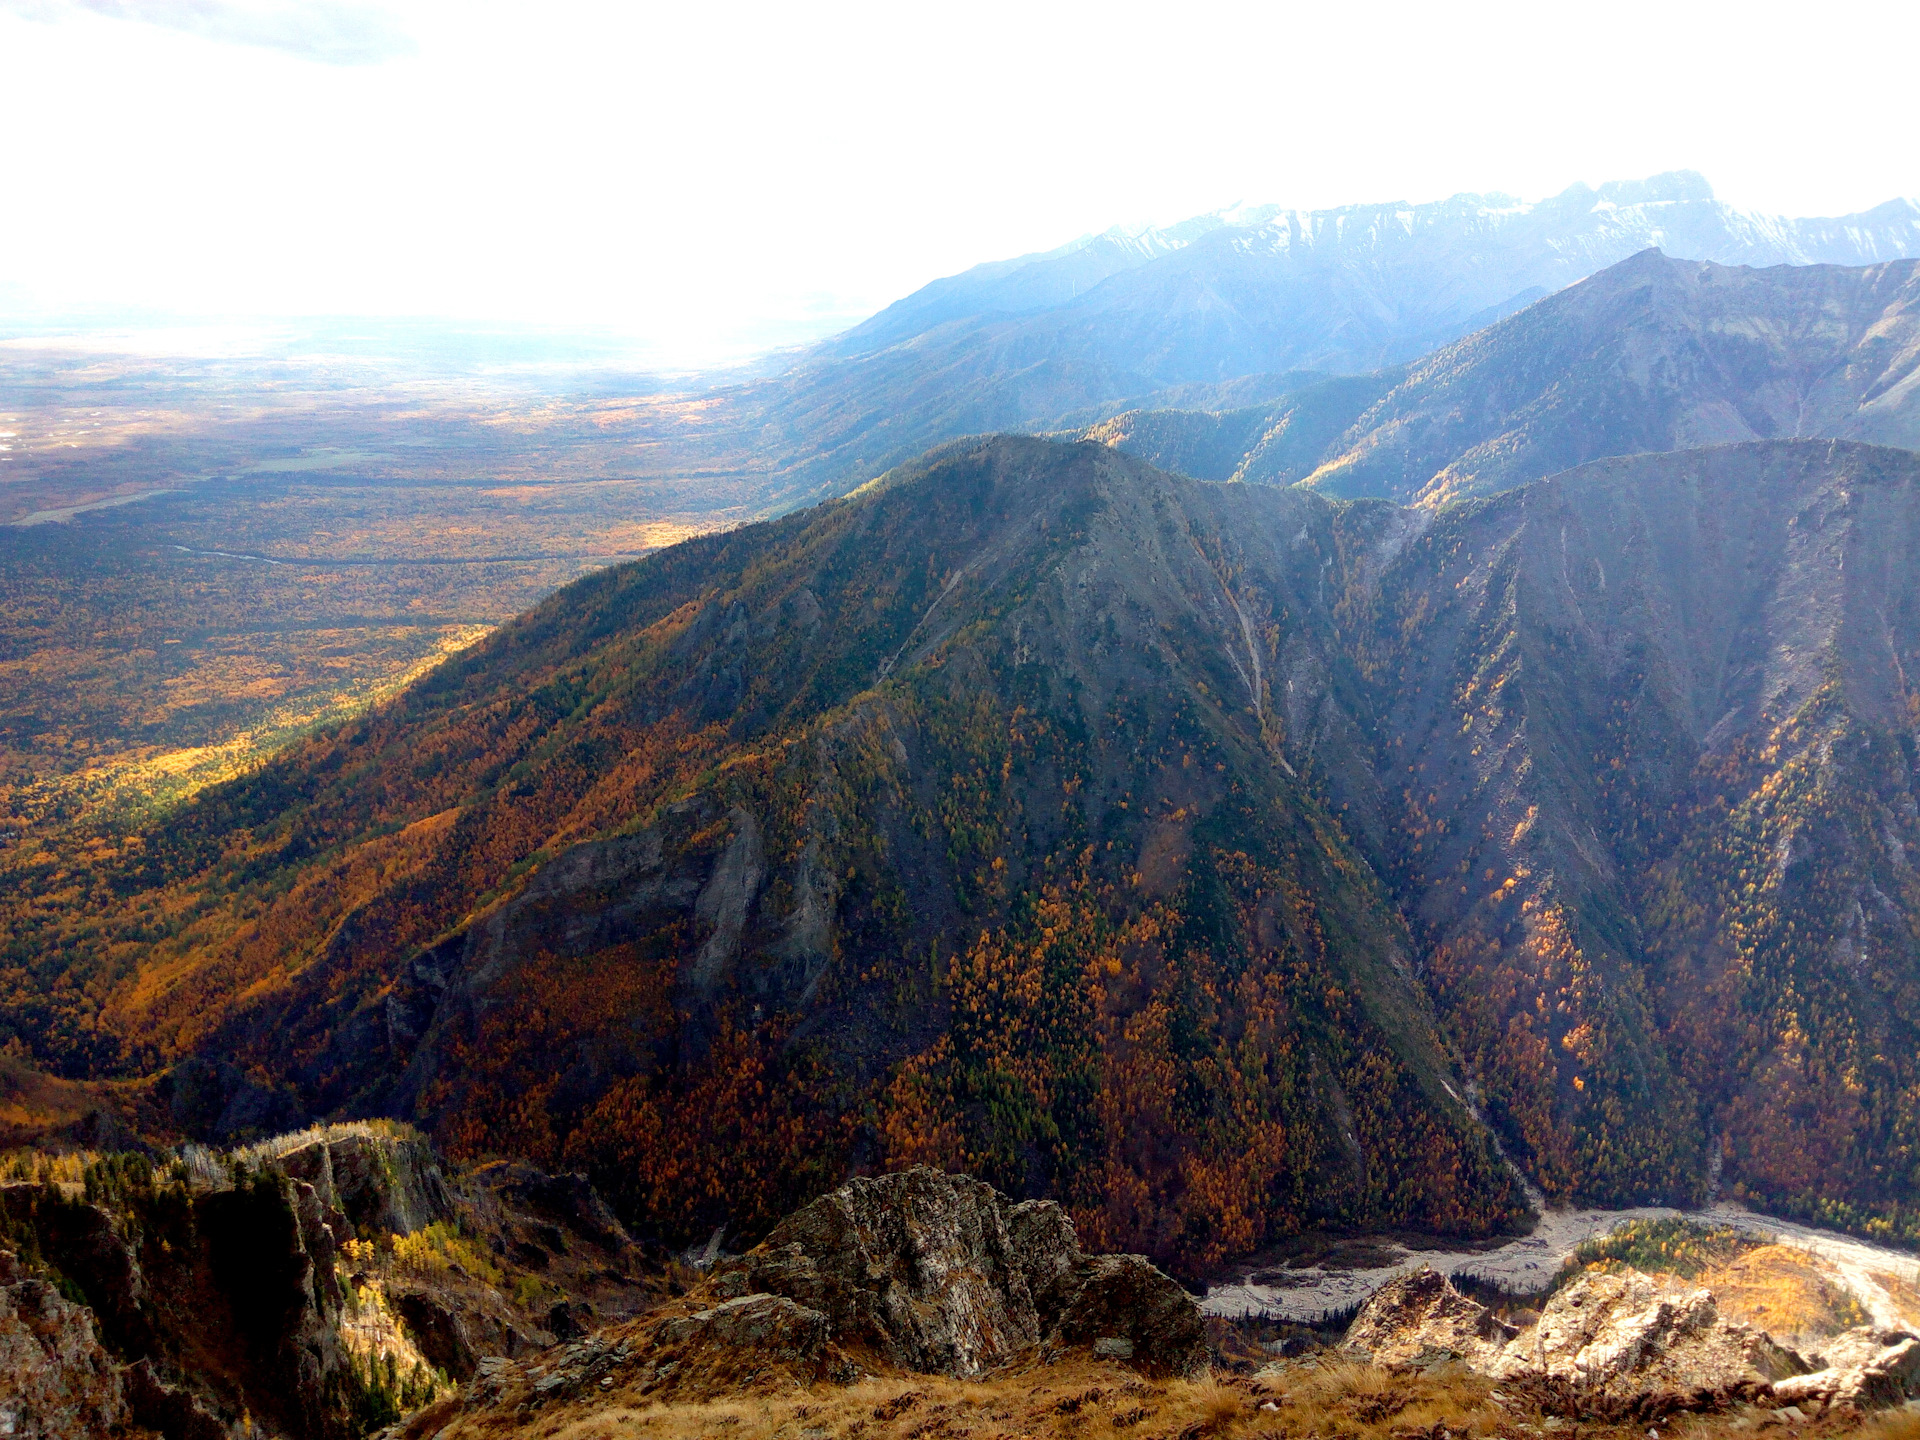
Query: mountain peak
(1673, 186)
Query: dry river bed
(1306, 1290)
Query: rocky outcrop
(917, 1266)
(940, 1274)
(383, 1183)
(1629, 1331)
(56, 1379)
(1866, 1368)
(785, 1333)
(1609, 1334)
(1420, 1318)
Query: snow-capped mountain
(1267, 289)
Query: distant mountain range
(1651, 354)
(1221, 310)
(1265, 289)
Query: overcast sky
(706, 177)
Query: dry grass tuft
(1082, 1399)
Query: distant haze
(701, 182)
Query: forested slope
(1195, 853)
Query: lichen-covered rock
(916, 1265)
(1047, 1251)
(56, 1379)
(1124, 1307)
(777, 1330)
(1419, 1318)
(941, 1274)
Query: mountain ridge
(1276, 292)
(1651, 354)
(1192, 853)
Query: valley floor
(1333, 1279)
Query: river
(1307, 1292)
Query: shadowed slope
(1653, 354)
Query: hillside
(1190, 853)
(1651, 354)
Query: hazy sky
(707, 176)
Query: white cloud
(703, 176)
(323, 31)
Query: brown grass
(1080, 1399)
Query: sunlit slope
(948, 822)
(1197, 853)
(1652, 354)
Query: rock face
(384, 1185)
(1421, 1317)
(918, 1270)
(1632, 1332)
(56, 1379)
(1615, 1334)
(940, 1274)
(1866, 1368)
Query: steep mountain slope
(1252, 292)
(1651, 354)
(942, 823)
(1194, 853)
(1654, 749)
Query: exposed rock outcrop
(1420, 1318)
(940, 1274)
(1866, 1368)
(56, 1379)
(272, 1285)
(1613, 1334)
(1630, 1331)
(384, 1184)
(918, 1271)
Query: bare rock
(940, 1274)
(1862, 1345)
(1620, 1335)
(1628, 1332)
(916, 1265)
(436, 1331)
(1420, 1318)
(1047, 1252)
(168, 1410)
(1126, 1308)
(1867, 1368)
(775, 1328)
(382, 1184)
(56, 1379)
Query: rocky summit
(1627, 1342)
(917, 1272)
